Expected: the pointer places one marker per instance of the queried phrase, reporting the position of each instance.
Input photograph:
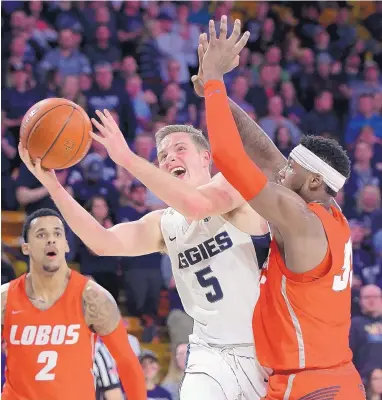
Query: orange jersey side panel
(305, 325)
(49, 353)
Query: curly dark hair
(330, 151)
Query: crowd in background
(309, 68)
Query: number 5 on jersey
(206, 281)
(49, 358)
(340, 282)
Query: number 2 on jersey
(49, 358)
(216, 293)
(340, 282)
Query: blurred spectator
(369, 85)
(93, 184)
(293, 110)
(365, 332)
(143, 280)
(179, 323)
(150, 56)
(322, 118)
(129, 67)
(174, 106)
(175, 375)
(283, 140)
(368, 205)
(130, 26)
(142, 101)
(106, 93)
(67, 59)
(31, 194)
(365, 117)
(373, 22)
(150, 365)
(342, 34)
(377, 103)
(269, 36)
(190, 33)
(374, 385)
(275, 118)
(16, 100)
(321, 42)
(308, 23)
(103, 50)
(363, 172)
(199, 13)
(239, 90)
(70, 89)
(102, 269)
(304, 79)
(144, 146)
(259, 95)
(365, 271)
(7, 271)
(172, 45)
(291, 54)
(8, 155)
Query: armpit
(101, 311)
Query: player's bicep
(282, 208)
(139, 237)
(101, 312)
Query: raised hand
(198, 80)
(47, 177)
(222, 53)
(111, 137)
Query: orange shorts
(342, 383)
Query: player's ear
(25, 249)
(315, 181)
(206, 157)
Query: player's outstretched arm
(278, 205)
(215, 198)
(257, 144)
(103, 317)
(121, 240)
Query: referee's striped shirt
(105, 370)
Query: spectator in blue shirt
(151, 367)
(66, 58)
(107, 93)
(365, 117)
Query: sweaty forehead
(172, 139)
(48, 222)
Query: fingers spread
(223, 27)
(211, 29)
(204, 42)
(236, 32)
(241, 43)
(110, 119)
(98, 138)
(100, 127)
(103, 119)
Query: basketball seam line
(37, 121)
(59, 133)
(82, 140)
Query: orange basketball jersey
(300, 324)
(49, 353)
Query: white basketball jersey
(216, 273)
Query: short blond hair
(196, 135)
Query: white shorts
(234, 368)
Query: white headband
(313, 163)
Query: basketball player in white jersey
(209, 232)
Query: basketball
(57, 131)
